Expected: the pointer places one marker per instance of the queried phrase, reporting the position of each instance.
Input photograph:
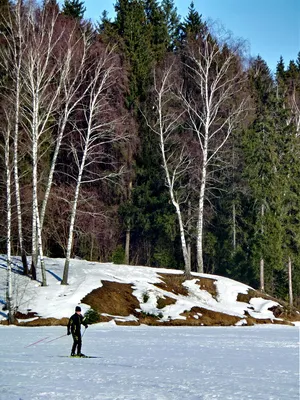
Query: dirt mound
(113, 298)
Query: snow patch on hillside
(58, 301)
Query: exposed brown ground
(173, 283)
(117, 299)
(283, 311)
(208, 284)
(113, 298)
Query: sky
(270, 27)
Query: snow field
(152, 363)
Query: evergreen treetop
(193, 26)
(74, 9)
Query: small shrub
(148, 314)
(145, 297)
(92, 316)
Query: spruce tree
(269, 149)
(135, 42)
(280, 69)
(193, 26)
(172, 21)
(260, 155)
(298, 62)
(158, 29)
(74, 9)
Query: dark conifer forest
(147, 139)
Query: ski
(80, 356)
(84, 357)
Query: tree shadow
(16, 268)
(2, 314)
(54, 275)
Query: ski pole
(57, 338)
(36, 342)
(83, 332)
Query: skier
(74, 327)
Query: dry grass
(208, 284)
(165, 301)
(45, 322)
(149, 320)
(20, 315)
(39, 322)
(254, 321)
(113, 298)
(210, 318)
(281, 311)
(173, 283)
(246, 297)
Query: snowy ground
(57, 301)
(152, 363)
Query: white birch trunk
(200, 267)
(37, 247)
(234, 227)
(128, 230)
(127, 244)
(200, 224)
(40, 246)
(50, 177)
(262, 262)
(9, 291)
(189, 246)
(290, 276)
(170, 184)
(18, 48)
(174, 168)
(262, 274)
(73, 216)
(16, 179)
(34, 248)
(12, 54)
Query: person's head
(78, 309)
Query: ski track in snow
(152, 363)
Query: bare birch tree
(212, 111)
(39, 100)
(48, 83)
(72, 74)
(97, 134)
(175, 160)
(8, 171)
(12, 55)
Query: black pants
(76, 343)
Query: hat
(77, 308)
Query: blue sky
(271, 27)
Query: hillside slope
(139, 295)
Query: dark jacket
(74, 324)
